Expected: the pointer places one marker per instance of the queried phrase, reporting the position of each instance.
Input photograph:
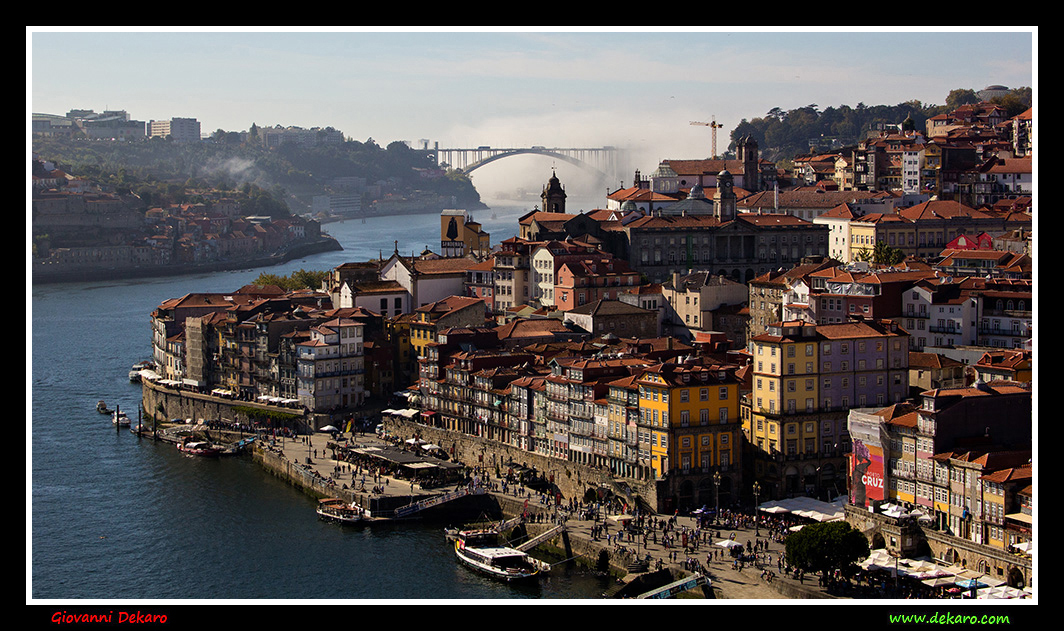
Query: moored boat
(134, 373)
(336, 510)
(102, 408)
(200, 448)
(119, 418)
(502, 562)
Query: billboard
(866, 473)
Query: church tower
(553, 196)
(748, 155)
(724, 202)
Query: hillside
(782, 135)
(157, 170)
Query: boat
(140, 429)
(134, 373)
(101, 407)
(200, 448)
(119, 418)
(336, 510)
(477, 550)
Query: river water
(112, 516)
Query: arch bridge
(607, 162)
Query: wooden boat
(200, 448)
(101, 407)
(475, 549)
(336, 510)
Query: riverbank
(309, 462)
(47, 274)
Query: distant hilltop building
(107, 125)
(992, 92)
(273, 137)
(178, 129)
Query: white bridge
(608, 162)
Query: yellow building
(785, 388)
(690, 411)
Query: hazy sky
(639, 89)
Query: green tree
(302, 279)
(826, 546)
(881, 254)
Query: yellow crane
(714, 125)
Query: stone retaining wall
(572, 480)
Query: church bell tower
(553, 196)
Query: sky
(638, 89)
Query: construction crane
(714, 125)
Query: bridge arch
(606, 165)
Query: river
(112, 516)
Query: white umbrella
(328, 428)
(728, 543)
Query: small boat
(502, 562)
(140, 429)
(101, 407)
(119, 418)
(335, 509)
(134, 373)
(200, 448)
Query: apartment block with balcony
(806, 377)
(690, 411)
(330, 366)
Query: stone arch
(1015, 578)
(877, 542)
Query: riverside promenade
(728, 582)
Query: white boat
(134, 373)
(508, 564)
(335, 509)
(200, 448)
(119, 418)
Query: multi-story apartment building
(805, 380)
(441, 315)
(330, 366)
(767, 292)
(546, 259)
(838, 294)
(690, 414)
(575, 432)
(968, 311)
(691, 300)
(913, 456)
(923, 230)
(591, 279)
(511, 273)
(622, 433)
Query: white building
(331, 366)
(179, 129)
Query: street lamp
(716, 483)
(757, 520)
